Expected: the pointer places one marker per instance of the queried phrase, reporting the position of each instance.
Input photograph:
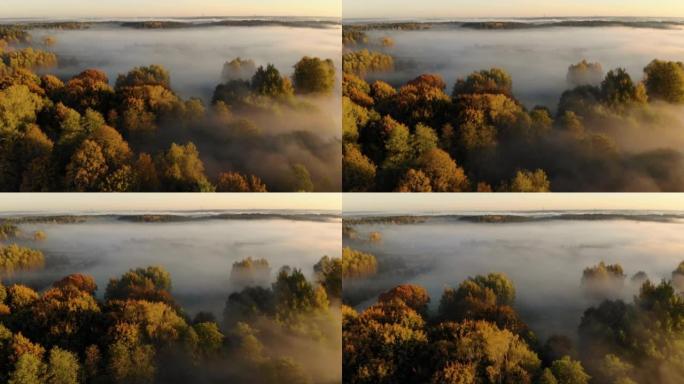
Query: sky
(81, 202)
(509, 8)
(163, 8)
(348, 202)
(445, 202)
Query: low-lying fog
(544, 259)
(537, 58)
(198, 254)
(194, 56)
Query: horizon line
(162, 17)
(447, 212)
(509, 17)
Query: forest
(135, 330)
(608, 132)
(474, 334)
(260, 131)
(538, 297)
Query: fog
(544, 260)
(536, 58)
(198, 254)
(194, 56)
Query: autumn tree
(250, 272)
(415, 296)
(20, 297)
(398, 150)
(152, 75)
(488, 298)
(665, 81)
(356, 89)
(494, 81)
(238, 69)
(414, 181)
(582, 100)
(295, 297)
(34, 151)
(129, 360)
(485, 351)
(603, 280)
(268, 82)
(354, 118)
(18, 108)
(88, 90)
(569, 371)
(15, 258)
(364, 61)
(147, 178)
(328, 271)
(584, 73)
(151, 283)
(87, 168)
(233, 93)
(623, 329)
(358, 171)
(618, 90)
(145, 98)
(314, 76)
(357, 264)
(62, 367)
(526, 181)
(65, 317)
(424, 139)
(443, 172)
(210, 339)
(381, 343)
(237, 182)
(181, 170)
(301, 179)
(248, 304)
(421, 100)
(29, 370)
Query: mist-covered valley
(172, 297)
(194, 55)
(537, 56)
(199, 254)
(522, 105)
(574, 294)
(248, 105)
(548, 253)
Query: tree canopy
(421, 136)
(138, 333)
(85, 132)
(399, 340)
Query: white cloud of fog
(545, 260)
(194, 56)
(537, 59)
(199, 255)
